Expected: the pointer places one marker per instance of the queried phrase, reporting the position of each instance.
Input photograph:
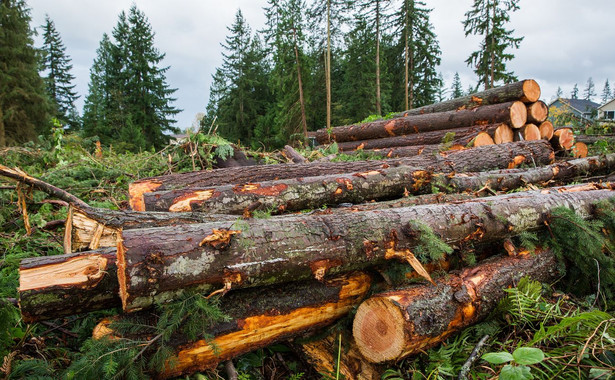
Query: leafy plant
(521, 359)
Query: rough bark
(55, 286)
(527, 91)
(156, 263)
(562, 139)
(93, 228)
(293, 155)
(592, 139)
(54, 191)
(411, 174)
(471, 160)
(512, 113)
(546, 130)
(263, 316)
(537, 112)
(395, 324)
(457, 135)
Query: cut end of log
(537, 112)
(378, 330)
(83, 271)
(579, 150)
(531, 91)
(563, 138)
(531, 132)
(546, 130)
(136, 191)
(503, 134)
(518, 115)
(482, 139)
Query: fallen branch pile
(283, 276)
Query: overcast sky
(566, 41)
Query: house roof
(581, 105)
(605, 104)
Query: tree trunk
(562, 139)
(261, 317)
(55, 286)
(460, 136)
(93, 228)
(293, 155)
(537, 112)
(2, 129)
(529, 132)
(328, 64)
(378, 102)
(313, 192)
(398, 323)
(513, 113)
(300, 84)
(156, 263)
(592, 139)
(527, 91)
(546, 130)
(478, 159)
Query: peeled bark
(546, 130)
(55, 286)
(395, 324)
(527, 91)
(157, 263)
(537, 112)
(93, 228)
(562, 139)
(378, 181)
(261, 317)
(456, 135)
(512, 113)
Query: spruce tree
(488, 18)
(94, 110)
(574, 94)
(24, 106)
(58, 81)
(559, 92)
(590, 90)
(606, 92)
(456, 88)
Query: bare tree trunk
(2, 130)
(378, 103)
(328, 64)
(300, 83)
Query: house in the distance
(581, 109)
(606, 112)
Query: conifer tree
(574, 94)
(58, 81)
(590, 90)
(24, 106)
(559, 92)
(488, 18)
(94, 110)
(456, 88)
(606, 92)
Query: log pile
(341, 226)
(496, 116)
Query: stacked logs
(287, 275)
(495, 116)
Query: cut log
(395, 324)
(529, 132)
(506, 180)
(293, 155)
(457, 135)
(261, 317)
(592, 139)
(527, 91)
(537, 112)
(483, 139)
(503, 134)
(93, 228)
(377, 182)
(479, 159)
(512, 113)
(546, 130)
(55, 286)
(155, 264)
(579, 150)
(562, 139)
(322, 354)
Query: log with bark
(483, 139)
(379, 180)
(537, 112)
(579, 150)
(55, 286)
(461, 136)
(512, 113)
(293, 155)
(592, 139)
(527, 91)
(398, 323)
(562, 139)
(261, 317)
(528, 132)
(93, 228)
(155, 264)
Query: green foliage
(430, 247)
(522, 358)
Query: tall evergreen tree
(559, 92)
(574, 94)
(488, 18)
(24, 106)
(421, 53)
(59, 80)
(456, 88)
(94, 119)
(606, 92)
(590, 90)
